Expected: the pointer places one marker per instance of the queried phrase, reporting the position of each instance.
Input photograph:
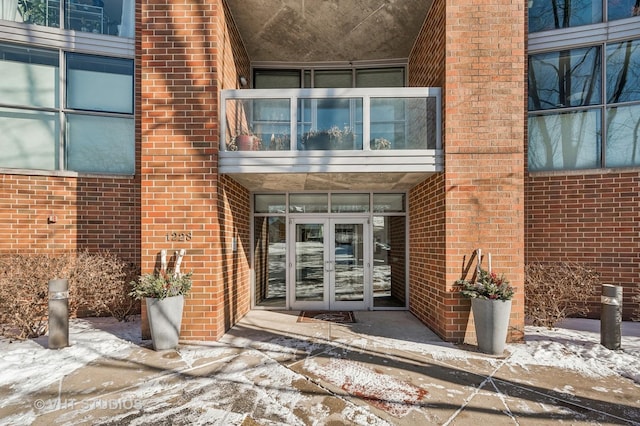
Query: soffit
(258, 182)
(317, 31)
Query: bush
(24, 293)
(98, 284)
(556, 291)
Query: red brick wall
(188, 53)
(482, 188)
(590, 219)
(92, 214)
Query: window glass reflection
(623, 137)
(564, 79)
(565, 141)
(549, 15)
(620, 9)
(623, 71)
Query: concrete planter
(165, 319)
(491, 319)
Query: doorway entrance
(330, 264)
(329, 251)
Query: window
(549, 15)
(577, 120)
(91, 131)
(329, 78)
(109, 17)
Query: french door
(330, 264)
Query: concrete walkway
(270, 369)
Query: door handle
(328, 266)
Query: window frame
(601, 35)
(74, 42)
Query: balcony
(370, 138)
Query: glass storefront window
(388, 203)
(308, 203)
(349, 203)
(269, 203)
(270, 261)
(389, 261)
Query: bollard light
(58, 313)
(611, 316)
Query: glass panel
(276, 79)
(100, 144)
(623, 136)
(620, 9)
(270, 261)
(329, 124)
(98, 83)
(30, 139)
(269, 203)
(548, 15)
(258, 125)
(113, 17)
(565, 141)
(349, 262)
(332, 78)
(309, 262)
(349, 203)
(401, 124)
(385, 77)
(308, 203)
(564, 79)
(37, 12)
(388, 203)
(30, 77)
(623, 79)
(389, 261)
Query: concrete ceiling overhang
(329, 181)
(316, 31)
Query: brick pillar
(183, 47)
(478, 202)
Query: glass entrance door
(330, 264)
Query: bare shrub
(558, 290)
(98, 284)
(24, 293)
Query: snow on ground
(574, 345)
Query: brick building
(324, 155)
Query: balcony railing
(331, 127)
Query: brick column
(183, 48)
(478, 202)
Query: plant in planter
(381, 143)
(332, 138)
(164, 293)
(244, 140)
(490, 296)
